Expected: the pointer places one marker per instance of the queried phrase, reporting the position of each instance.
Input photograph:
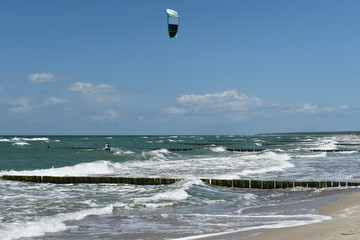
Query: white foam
(281, 224)
(36, 139)
(271, 216)
(266, 162)
(21, 143)
(269, 169)
(229, 165)
(172, 195)
(81, 169)
(319, 155)
(157, 155)
(5, 140)
(218, 149)
(158, 205)
(176, 193)
(348, 152)
(347, 211)
(118, 151)
(40, 226)
(326, 143)
(249, 196)
(18, 139)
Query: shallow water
(188, 209)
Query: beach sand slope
(344, 225)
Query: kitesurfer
(107, 147)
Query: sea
(188, 209)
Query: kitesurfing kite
(173, 22)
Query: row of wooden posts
(227, 149)
(234, 183)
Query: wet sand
(344, 225)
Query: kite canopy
(173, 22)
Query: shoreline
(344, 225)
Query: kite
(173, 22)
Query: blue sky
(237, 67)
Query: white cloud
(26, 105)
(314, 109)
(20, 105)
(227, 101)
(175, 111)
(230, 106)
(308, 108)
(54, 100)
(43, 77)
(343, 107)
(88, 88)
(110, 115)
(335, 109)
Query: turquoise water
(188, 209)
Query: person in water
(107, 147)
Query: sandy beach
(344, 225)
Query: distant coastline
(311, 133)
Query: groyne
(234, 183)
(227, 149)
(90, 179)
(245, 150)
(170, 149)
(333, 150)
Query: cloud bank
(314, 109)
(218, 102)
(109, 115)
(231, 106)
(26, 105)
(20, 105)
